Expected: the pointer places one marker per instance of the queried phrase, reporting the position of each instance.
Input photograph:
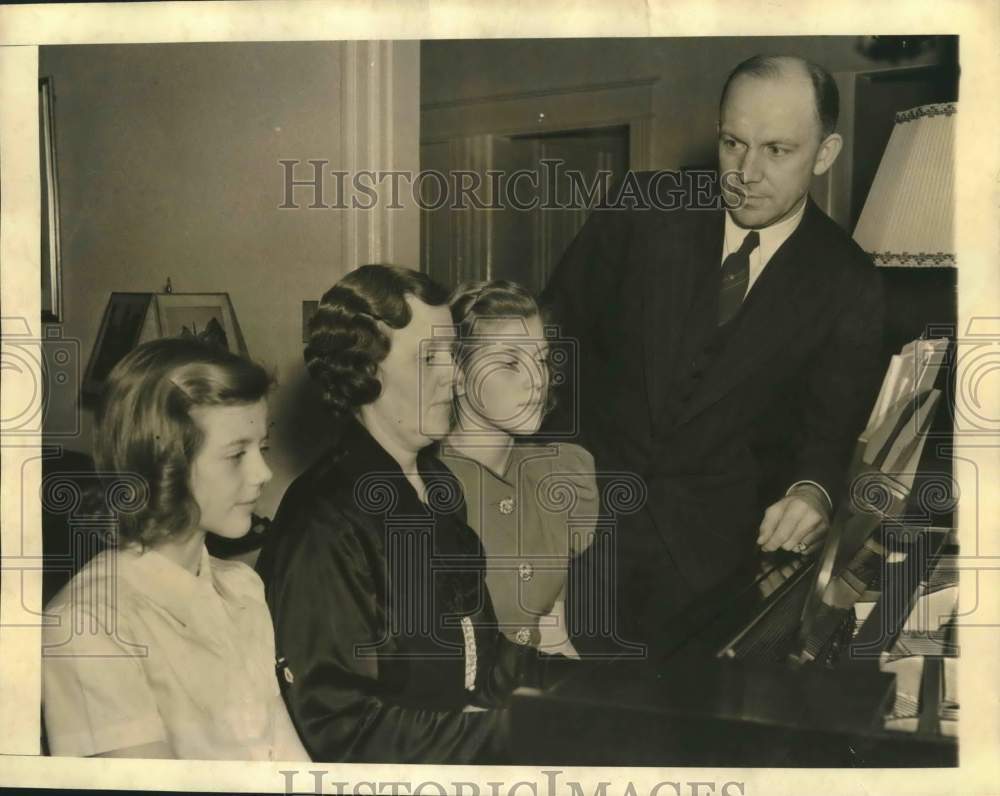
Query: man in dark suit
(728, 357)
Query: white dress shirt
(771, 239)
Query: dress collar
(362, 466)
(167, 583)
(519, 452)
(358, 453)
(360, 462)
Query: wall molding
(368, 143)
(581, 107)
(548, 92)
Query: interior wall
(689, 72)
(168, 161)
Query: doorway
(536, 188)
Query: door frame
(552, 110)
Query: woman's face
(417, 376)
(229, 472)
(504, 382)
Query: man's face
(770, 137)
(417, 376)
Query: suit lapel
(783, 299)
(673, 266)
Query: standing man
(728, 357)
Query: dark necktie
(735, 277)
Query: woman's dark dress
(384, 630)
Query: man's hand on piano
(796, 522)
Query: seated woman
(160, 650)
(374, 580)
(532, 505)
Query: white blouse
(138, 649)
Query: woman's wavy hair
(472, 301)
(147, 437)
(346, 344)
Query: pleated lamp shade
(908, 218)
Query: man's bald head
(777, 67)
(773, 137)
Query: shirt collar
(771, 237)
(518, 453)
(167, 583)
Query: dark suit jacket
(717, 425)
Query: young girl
(155, 648)
(533, 505)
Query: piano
(784, 664)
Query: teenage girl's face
(505, 380)
(229, 472)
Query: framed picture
(51, 263)
(208, 316)
(134, 318)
